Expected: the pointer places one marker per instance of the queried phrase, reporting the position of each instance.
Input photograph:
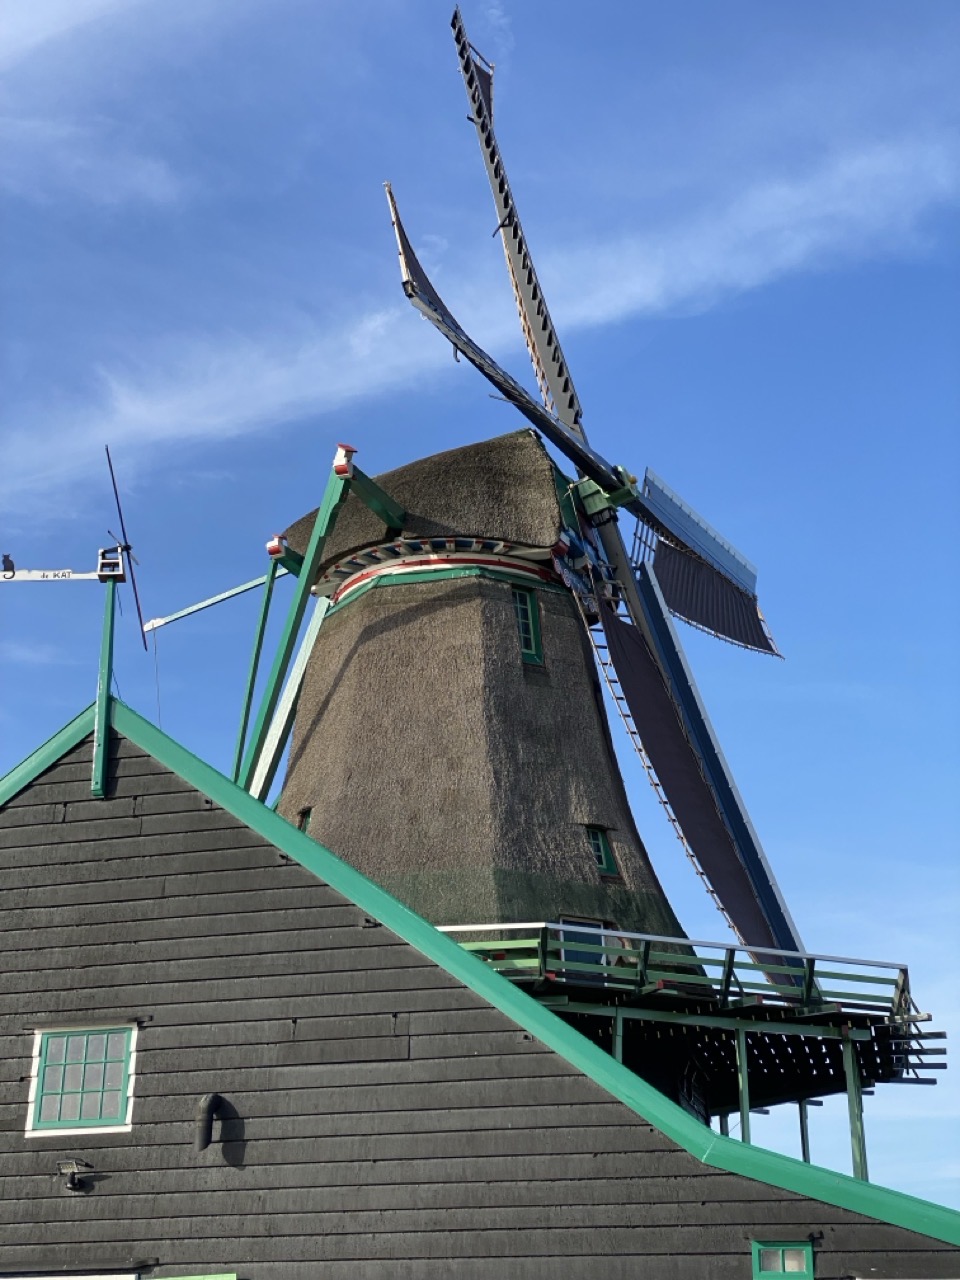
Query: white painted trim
(57, 1132)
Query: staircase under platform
(721, 1029)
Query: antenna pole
(101, 724)
(126, 547)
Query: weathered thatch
(502, 488)
(441, 764)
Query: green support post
(282, 722)
(379, 502)
(804, 1131)
(858, 1145)
(618, 1036)
(334, 495)
(268, 582)
(724, 1125)
(101, 723)
(743, 1085)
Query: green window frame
(83, 1079)
(602, 853)
(527, 613)
(782, 1257)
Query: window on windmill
(528, 625)
(782, 1258)
(303, 819)
(82, 1080)
(602, 853)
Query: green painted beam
(334, 495)
(282, 723)
(378, 500)
(804, 1131)
(292, 561)
(154, 623)
(743, 1084)
(47, 754)
(858, 1144)
(101, 724)
(269, 579)
(618, 1036)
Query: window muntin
(527, 614)
(82, 1079)
(602, 853)
(777, 1258)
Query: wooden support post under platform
(858, 1145)
(804, 1132)
(618, 1036)
(743, 1085)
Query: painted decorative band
(424, 564)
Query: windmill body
(453, 676)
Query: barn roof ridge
(727, 1154)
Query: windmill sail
(686, 756)
(710, 585)
(704, 579)
(701, 789)
(713, 587)
(543, 344)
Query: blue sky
(745, 219)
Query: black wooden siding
(388, 1122)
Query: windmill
(679, 566)
(449, 738)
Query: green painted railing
(586, 955)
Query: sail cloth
(694, 591)
(704, 579)
(677, 737)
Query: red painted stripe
(396, 568)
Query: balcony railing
(637, 964)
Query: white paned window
(81, 1080)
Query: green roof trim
(710, 1148)
(65, 740)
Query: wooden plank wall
(386, 1121)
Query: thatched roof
(500, 488)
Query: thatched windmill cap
(502, 488)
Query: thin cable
(156, 672)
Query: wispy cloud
(859, 204)
(25, 28)
(33, 655)
(45, 159)
(866, 203)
